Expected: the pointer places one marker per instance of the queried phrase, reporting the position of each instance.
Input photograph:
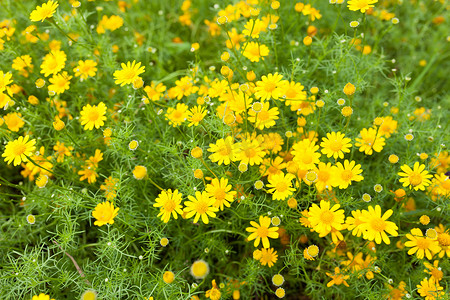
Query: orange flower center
(281, 187)
(202, 207)
(250, 152)
(327, 217)
(415, 178)
(423, 243)
(323, 176)
(347, 175)
(19, 149)
(169, 206)
(219, 194)
(335, 145)
(263, 115)
(444, 239)
(93, 115)
(262, 232)
(270, 86)
(378, 224)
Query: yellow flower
(202, 205)
(323, 219)
(139, 172)
(44, 12)
(306, 154)
(254, 51)
(93, 116)
(250, 152)
(89, 294)
(361, 5)
(104, 213)
(195, 115)
(337, 278)
(178, 115)
(129, 73)
(59, 83)
(265, 118)
(42, 296)
(14, 121)
(349, 88)
(430, 289)
(214, 292)
(370, 141)
(348, 172)
(168, 277)
(417, 178)
(280, 185)
(170, 204)
(5, 80)
(335, 144)
(53, 62)
(199, 269)
(221, 192)
(88, 172)
(223, 151)
(154, 91)
(253, 28)
(17, 151)
(375, 226)
(268, 257)
(85, 69)
(262, 232)
(424, 246)
(270, 86)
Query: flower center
(270, 86)
(19, 149)
(347, 175)
(93, 115)
(202, 207)
(225, 150)
(263, 115)
(169, 206)
(423, 243)
(250, 152)
(327, 217)
(281, 187)
(307, 158)
(262, 232)
(444, 239)
(219, 194)
(335, 145)
(378, 224)
(323, 176)
(415, 178)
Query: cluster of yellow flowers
(280, 139)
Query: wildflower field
(252, 149)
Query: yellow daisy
(270, 86)
(93, 116)
(17, 151)
(224, 151)
(170, 204)
(375, 226)
(262, 232)
(129, 73)
(280, 185)
(202, 205)
(421, 245)
(44, 12)
(268, 257)
(416, 178)
(265, 118)
(335, 144)
(361, 5)
(104, 213)
(221, 192)
(323, 219)
(348, 172)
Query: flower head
(416, 178)
(93, 116)
(44, 12)
(262, 232)
(129, 73)
(104, 213)
(17, 151)
(170, 204)
(374, 225)
(202, 205)
(361, 5)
